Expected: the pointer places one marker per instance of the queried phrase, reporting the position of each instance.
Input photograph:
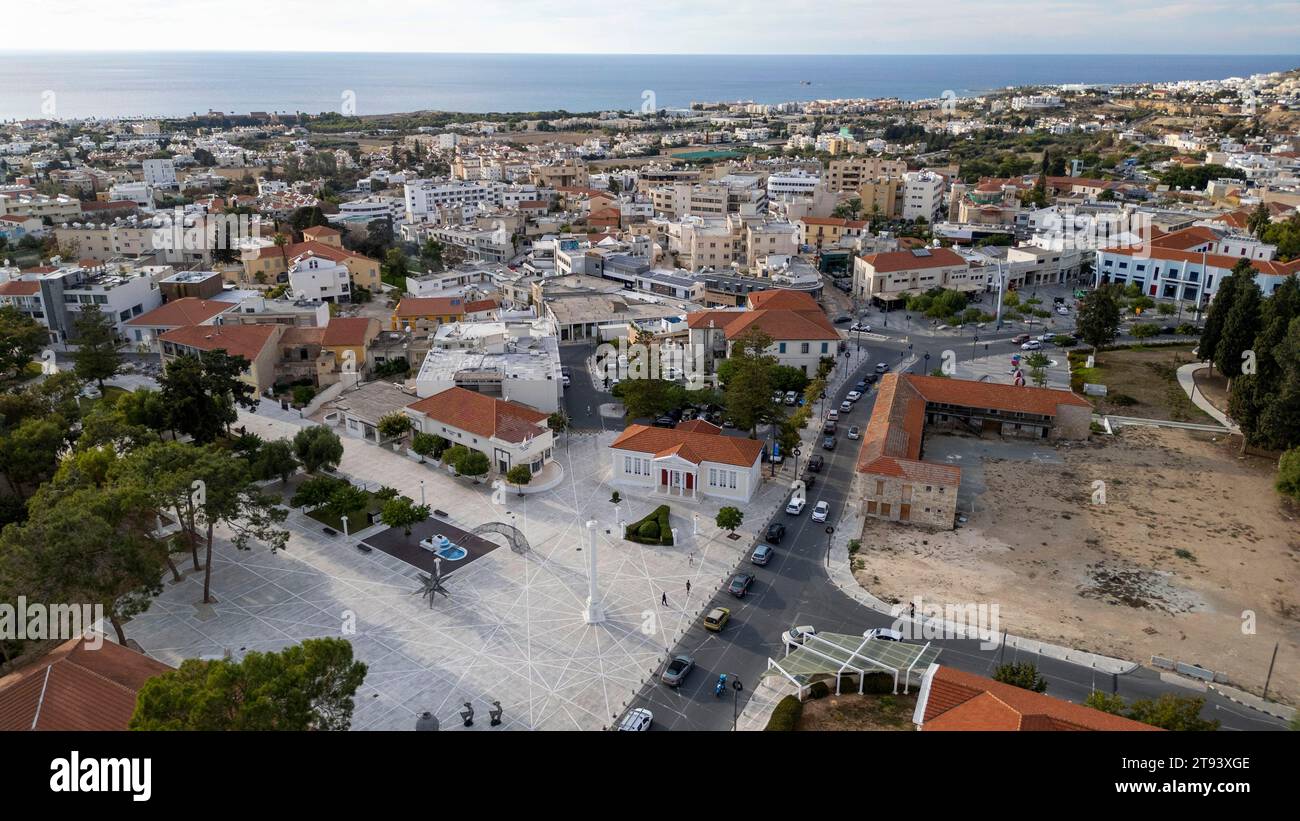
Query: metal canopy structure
(840, 655)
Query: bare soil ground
(855, 712)
(1191, 541)
(1213, 386)
(1148, 375)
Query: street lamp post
(830, 531)
(736, 687)
(974, 339)
(344, 519)
(927, 363)
(422, 493)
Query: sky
(661, 26)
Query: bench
(329, 531)
(441, 513)
(363, 547)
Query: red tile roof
(20, 287)
(838, 222)
(890, 261)
(349, 330)
(482, 305)
(247, 341)
(76, 688)
(320, 249)
(482, 415)
(964, 701)
(431, 306)
(891, 443)
(185, 311)
(781, 314)
(695, 446)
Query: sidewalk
(841, 575)
(1187, 381)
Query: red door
(663, 477)
(690, 481)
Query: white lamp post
(421, 492)
(344, 519)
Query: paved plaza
(511, 629)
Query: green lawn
(110, 392)
(356, 518)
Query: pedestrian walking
(688, 587)
(664, 599)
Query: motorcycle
(721, 686)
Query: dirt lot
(855, 712)
(1149, 376)
(1189, 538)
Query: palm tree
(282, 242)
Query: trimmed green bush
(819, 689)
(785, 718)
(662, 532)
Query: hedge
(785, 718)
(653, 529)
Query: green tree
(1288, 473)
(1171, 712)
(1239, 328)
(1106, 702)
(558, 422)
(402, 512)
(309, 686)
(97, 356)
(29, 453)
(346, 499)
(428, 444)
(88, 545)
(316, 491)
(1024, 675)
(1215, 319)
(275, 459)
(145, 408)
(748, 392)
(317, 447)
(1258, 402)
(393, 425)
(1099, 317)
(202, 394)
(473, 464)
(20, 338)
(519, 475)
(730, 518)
(1038, 362)
(228, 497)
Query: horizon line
(57, 50)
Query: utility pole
(1269, 677)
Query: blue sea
(170, 84)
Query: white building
(692, 460)
(508, 433)
(160, 173)
(922, 195)
(318, 279)
(425, 198)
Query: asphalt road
(793, 589)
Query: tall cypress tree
(1219, 310)
(1240, 327)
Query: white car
(820, 511)
(1045, 338)
(1063, 311)
(883, 634)
(796, 506)
(791, 397)
(846, 406)
(795, 635)
(637, 720)
(1032, 345)
(854, 433)
(833, 416)
(853, 396)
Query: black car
(843, 318)
(808, 481)
(815, 463)
(871, 378)
(829, 428)
(775, 533)
(829, 443)
(861, 386)
(740, 584)
(665, 422)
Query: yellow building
(424, 313)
